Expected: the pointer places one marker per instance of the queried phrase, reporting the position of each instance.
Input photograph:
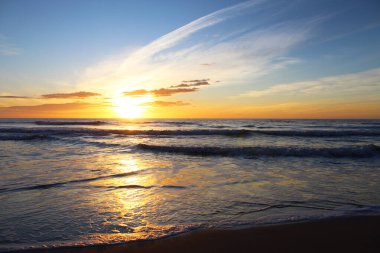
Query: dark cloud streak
(170, 91)
(193, 84)
(184, 87)
(14, 97)
(80, 94)
(196, 81)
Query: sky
(190, 59)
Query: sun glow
(131, 107)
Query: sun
(131, 107)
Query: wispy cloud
(55, 110)
(80, 94)
(172, 38)
(159, 92)
(238, 54)
(7, 48)
(165, 103)
(192, 83)
(49, 107)
(196, 81)
(11, 97)
(366, 81)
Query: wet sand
(349, 234)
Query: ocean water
(85, 182)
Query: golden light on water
(127, 212)
(131, 107)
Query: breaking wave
(100, 132)
(363, 151)
(70, 123)
(203, 132)
(25, 137)
(60, 184)
(318, 133)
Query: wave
(100, 144)
(148, 187)
(178, 123)
(25, 137)
(60, 184)
(340, 208)
(70, 123)
(85, 180)
(100, 132)
(193, 132)
(158, 122)
(131, 186)
(174, 187)
(364, 151)
(317, 133)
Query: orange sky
(82, 109)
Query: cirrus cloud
(349, 84)
(7, 48)
(238, 54)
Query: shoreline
(341, 234)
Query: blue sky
(248, 50)
(56, 39)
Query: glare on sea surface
(131, 107)
(135, 208)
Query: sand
(349, 234)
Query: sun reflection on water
(131, 213)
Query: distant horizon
(137, 119)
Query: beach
(344, 234)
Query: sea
(79, 182)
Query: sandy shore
(354, 234)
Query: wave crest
(70, 123)
(363, 151)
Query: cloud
(6, 48)
(239, 51)
(55, 110)
(159, 92)
(80, 94)
(174, 37)
(367, 82)
(49, 107)
(184, 85)
(165, 103)
(192, 83)
(136, 92)
(13, 97)
(175, 56)
(169, 92)
(196, 81)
